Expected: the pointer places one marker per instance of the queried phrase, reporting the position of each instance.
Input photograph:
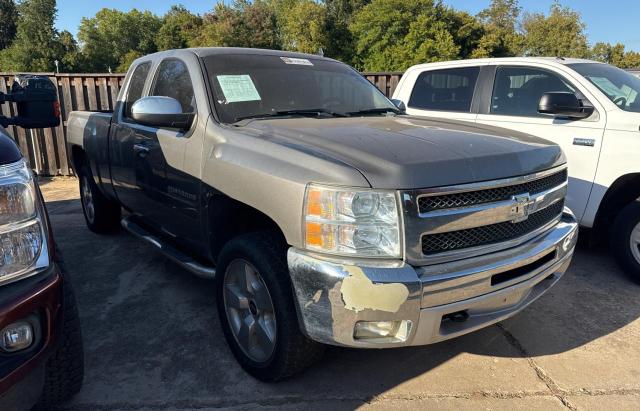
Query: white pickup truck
(590, 109)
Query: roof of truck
(498, 60)
(217, 51)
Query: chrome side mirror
(158, 111)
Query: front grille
(439, 202)
(489, 234)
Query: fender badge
(587, 142)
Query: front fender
(269, 176)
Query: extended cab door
(446, 92)
(168, 160)
(122, 137)
(513, 104)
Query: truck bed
(83, 125)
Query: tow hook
(457, 317)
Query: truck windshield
(255, 86)
(618, 85)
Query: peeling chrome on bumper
(332, 295)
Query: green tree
(395, 34)
(501, 38)
(560, 34)
(34, 47)
(70, 60)
(340, 41)
(302, 26)
(127, 59)
(240, 24)
(179, 29)
(111, 34)
(631, 60)
(8, 19)
(465, 29)
(616, 55)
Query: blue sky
(611, 21)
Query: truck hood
(404, 152)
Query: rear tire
(64, 370)
(101, 214)
(288, 352)
(625, 239)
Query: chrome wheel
(634, 242)
(249, 310)
(87, 200)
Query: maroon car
(41, 356)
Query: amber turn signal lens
(314, 234)
(314, 203)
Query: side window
(445, 90)
(517, 90)
(136, 86)
(173, 80)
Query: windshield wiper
(374, 111)
(314, 112)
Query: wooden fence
(385, 81)
(46, 148)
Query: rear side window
(517, 90)
(136, 86)
(445, 90)
(173, 80)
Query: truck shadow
(152, 336)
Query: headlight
(355, 222)
(22, 228)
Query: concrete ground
(153, 341)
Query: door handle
(141, 150)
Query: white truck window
(517, 90)
(445, 90)
(173, 80)
(619, 86)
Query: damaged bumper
(340, 301)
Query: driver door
(171, 194)
(514, 105)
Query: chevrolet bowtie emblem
(521, 208)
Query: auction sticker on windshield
(238, 88)
(292, 60)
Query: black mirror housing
(180, 121)
(36, 100)
(563, 104)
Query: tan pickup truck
(323, 212)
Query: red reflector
(56, 109)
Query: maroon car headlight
(23, 248)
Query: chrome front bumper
(332, 295)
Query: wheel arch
(229, 218)
(78, 157)
(622, 192)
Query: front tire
(101, 214)
(257, 311)
(64, 371)
(625, 239)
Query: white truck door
(442, 92)
(514, 105)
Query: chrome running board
(168, 250)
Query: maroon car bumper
(39, 300)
